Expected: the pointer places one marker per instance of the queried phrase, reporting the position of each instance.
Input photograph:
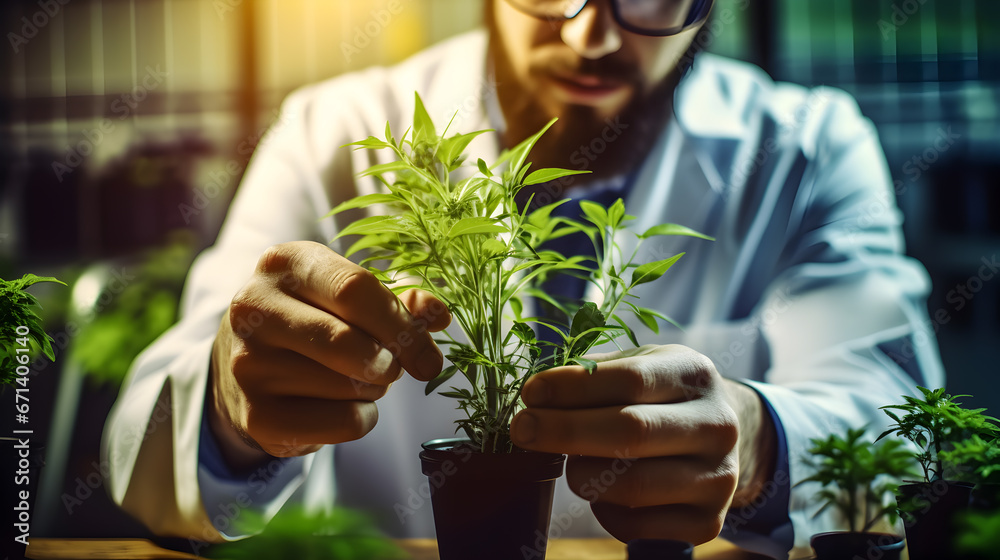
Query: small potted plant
(22, 336)
(935, 423)
(858, 479)
(460, 233)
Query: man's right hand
(306, 347)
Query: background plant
(17, 309)
(858, 478)
(976, 459)
(341, 534)
(935, 423)
(458, 232)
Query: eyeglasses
(655, 18)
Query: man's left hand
(653, 438)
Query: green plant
(979, 534)
(342, 534)
(466, 241)
(858, 478)
(976, 459)
(135, 316)
(21, 327)
(935, 423)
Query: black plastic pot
(657, 549)
(842, 545)
(930, 529)
(489, 506)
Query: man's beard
(606, 143)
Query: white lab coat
(805, 293)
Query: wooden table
(420, 549)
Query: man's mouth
(587, 89)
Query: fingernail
(429, 363)
(524, 430)
(538, 393)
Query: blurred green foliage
(342, 534)
(108, 341)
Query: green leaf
(595, 213)
(519, 153)
(374, 224)
(673, 229)
(467, 226)
(390, 167)
(446, 374)
(363, 202)
(628, 330)
(585, 320)
(551, 174)
(372, 143)
(453, 147)
(652, 271)
(589, 365)
(483, 168)
(423, 126)
(616, 212)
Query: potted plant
(935, 423)
(21, 338)
(858, 479)
(458, 232)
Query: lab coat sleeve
(845, 319)
(151, 438)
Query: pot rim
(898, 543)
(450, 445)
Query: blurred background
(125, 126)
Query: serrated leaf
(550, 174)
(673, 229)
(585, 320)
(652, 271)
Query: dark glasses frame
(698, 14)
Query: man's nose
(593, 33)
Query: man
(790, 315)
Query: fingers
(650, 375)
(280, 424)
(689, 523)
(654, 481)
(687, 428)
(338, 286)
(423, 305)
(322, 338)
(280, 372)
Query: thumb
(422, 304)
